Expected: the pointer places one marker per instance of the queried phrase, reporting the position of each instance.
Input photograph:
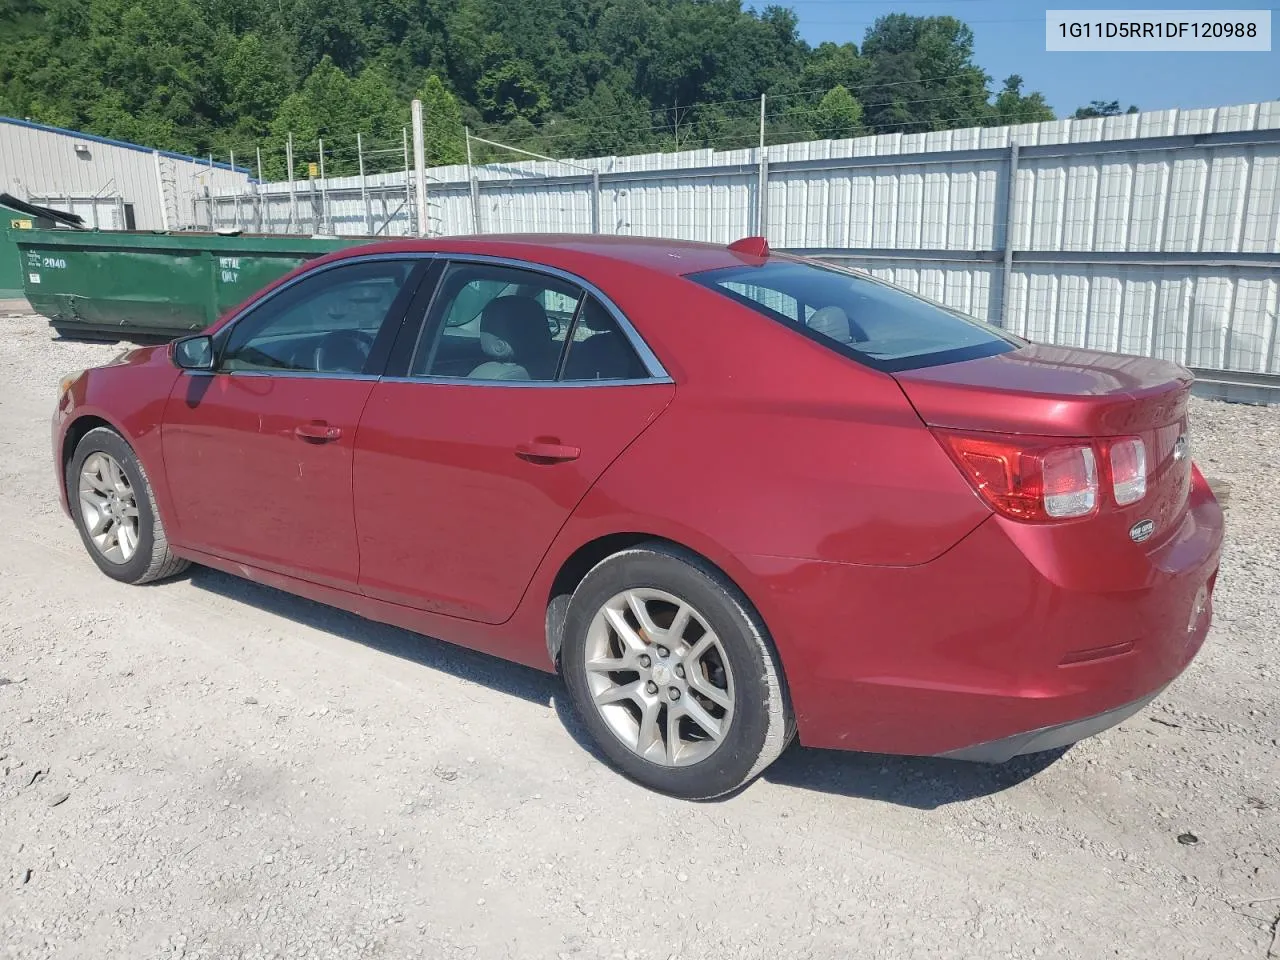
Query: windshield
(875, 323)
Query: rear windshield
(872, 322)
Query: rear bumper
(1049, 738)
(992, 649)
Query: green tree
(1101, 108)
(254, 83)
(442, 124)
(378, 113)
(510, 90)
(921, 75)
(838, 115)
(562, 77)
(1012, 107)
(834, 65)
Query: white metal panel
(1262, 209)
(1081, 193)
(1048, 210)
(1187, 197)
(1170, 322)
(1252, 323)
(1072, 317)
(1138, 310)
(1228, 177)
(1148, 204)
(1114, 204)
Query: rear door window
(875, 323)
(496, 322)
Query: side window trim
(398, 307)
(657, 373)
(415, 320)
(568, 338)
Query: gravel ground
(210, 768)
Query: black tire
(761, 725)
(152, 560)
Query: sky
(1009, 37)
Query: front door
(259, 453)
(521, 392)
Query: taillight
(1128, 470)
(1027, 478)
(1070, 482)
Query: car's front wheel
(115, 510)
(673, 673)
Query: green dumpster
(154, 284)
(11, 222)
(20, 215)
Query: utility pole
(324, 194)
(364, 186)
(420, 170)
(408, 184)
(293, 194)
(474, 187)
(762, 184)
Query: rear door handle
(318, 431)
(541, 451)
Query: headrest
(511, 327)
(832, 322)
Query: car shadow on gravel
(925, 783)
(921, 782)
(503, 676)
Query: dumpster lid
(31, 210)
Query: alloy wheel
(659, 677)
(109, 507)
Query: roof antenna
(751, 247)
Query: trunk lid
(1048, 391)
(1051, 391)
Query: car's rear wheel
(673, 673)
(115, 510)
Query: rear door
(258, 453)
(521, 388)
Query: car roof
(571, 251)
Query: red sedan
(732, 496)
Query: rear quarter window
(875, 323)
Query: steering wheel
(342, 351)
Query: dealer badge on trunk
(1142, 530)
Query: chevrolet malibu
(733, 496)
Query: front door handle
(544, 451)
(317, 431)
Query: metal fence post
(595, 201)
(762, 196)
(293, 193)
(236, 202)
(762, 185)
(324, 194)
(420, 170)
(364, 187)
(257, 191)
(408, 186)
(1007, 273)
(473, 186)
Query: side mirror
(193, 353)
